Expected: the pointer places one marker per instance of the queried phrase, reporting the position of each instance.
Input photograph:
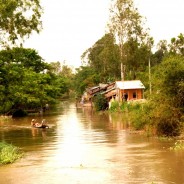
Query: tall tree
(25, 80)
(137, 58)
(126, 24)
(63, 75)
(28, 58)
(177, 45)
(85, 77)
(18, 18)
(55, 67)
(103, 57)
(162, 50)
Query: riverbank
(147, 116)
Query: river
(84, 147)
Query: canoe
(41, 126)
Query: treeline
(125, 53)
(164, 81)
(27, 82)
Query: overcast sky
(72, 26)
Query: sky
(70, 27)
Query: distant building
(120, 90)
(129, 90)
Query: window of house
(134, 95)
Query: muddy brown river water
(83, 147)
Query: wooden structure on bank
(119, 90)
(129, 90)
(93, 91)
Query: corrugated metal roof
(133, 84)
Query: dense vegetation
(18, 19)
(127, 54)
(27, 82)
(9, 153)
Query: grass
(9, 153)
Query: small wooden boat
(39, 125)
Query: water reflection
(36, 133)
(87, 147)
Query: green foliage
(124, 106)
(166, 119)
(138, 115)
(167, 101)
(127, 26)
(103, 57)
(26, 82)
(136, 60)
(165, 106)
(100, 102)
(168, 81)
(9, 153)
(84, 78)
(22, 57)
(176, 45)
(19, 19)
(114, 106)
(125, 20)
(168, 127)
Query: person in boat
(35, 124)
(44, 123)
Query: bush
(167, 96)
(166, 118)
(100, 102)
(9, 153)
(138, 116)
(168, 127)
(124, 106)
(114, 106)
